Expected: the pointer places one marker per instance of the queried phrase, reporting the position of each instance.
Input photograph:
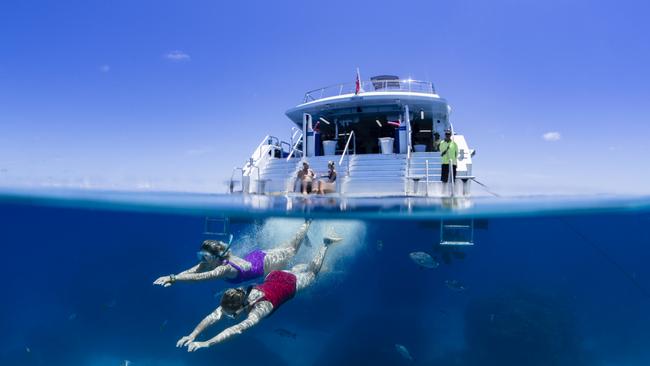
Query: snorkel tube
(215, 250)
(225, 252)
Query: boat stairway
(383, 175)
(276, 175)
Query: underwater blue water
(561, 281)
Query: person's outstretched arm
(167, 281)
(219, 272)
(209, 320)
(259, 311)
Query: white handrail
(294, 147)
(451, 177)
(402, 85)
(265, 141)
(347, 145)
(426, 178)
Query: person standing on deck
(449, 155)
(257, 302)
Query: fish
(455, 285)
(72, 316)
(163, 325)
(219, 294)
(491, 318)
(380, 245)
(403, 351)
(28, 350)
(285, 333)
(126, 363)
(424, 260)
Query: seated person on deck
(306, 177)
(328, 184)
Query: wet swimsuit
(278, 287)
(256, 259)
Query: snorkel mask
(206, 254)
(243, 305)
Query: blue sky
(172, 94)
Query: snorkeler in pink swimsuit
(218, 262)
(257, 302)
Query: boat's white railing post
(345, 150)
(407, 120)
(296, 138)
(264, 141)
(451, 177)
(426, 177)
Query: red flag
(358, 88)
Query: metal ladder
(459, 232)
(217, 227)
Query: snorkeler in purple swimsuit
(218, 262)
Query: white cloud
(177, 56)
(105, 68)
(551, 136)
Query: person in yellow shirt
(449, 155)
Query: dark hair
(233, 300)
(215, 247)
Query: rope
(486, 188)
(609, 259)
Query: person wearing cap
(328, 184)
(218, 262)
(449, 155)
(436, 142)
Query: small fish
(126, 363)
(72, 316)
(404, 352)
(163, 325)
(28, 350)
(424, 260)
(491, 318)
(455, 285)
(380, 245)
(285, 333)
(219, 294)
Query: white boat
(379, 133)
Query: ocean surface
(547, 281)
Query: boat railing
(405, 85)
(282, 144)
(267, 140)
(451, 178)
(352, 138)
(426, 177)
(295, 139)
